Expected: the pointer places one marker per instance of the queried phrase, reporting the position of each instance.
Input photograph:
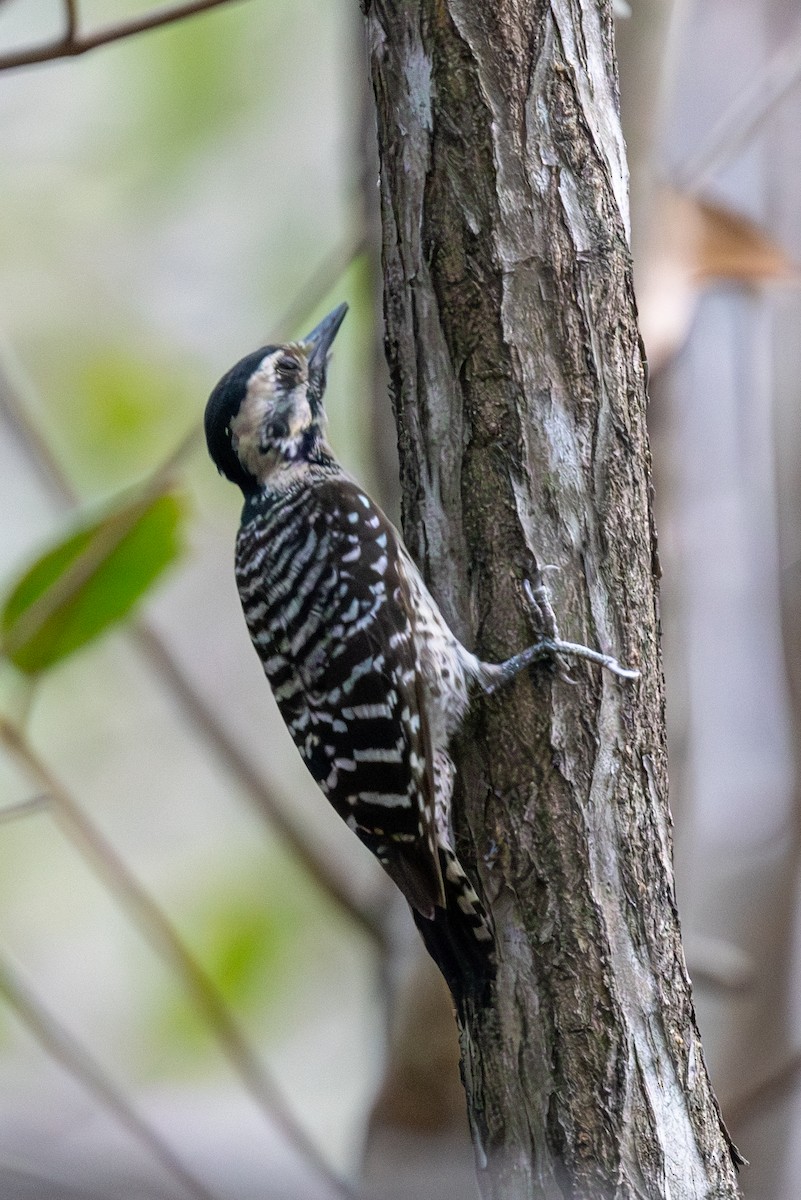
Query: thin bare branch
(74, 1057)
(71, 12)
(24, 808)
(163, 938)
(18, 692)
(744, 116)
(71, 44)
(756, 1099)
(320, 283)
(26, 433)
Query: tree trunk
(520, 399)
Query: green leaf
(89, 581)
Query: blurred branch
(674, 32)
(71, 43)
(161, 935)
(321, 281)
(18, 691)
(24, 808)
(756, 1099)
(62, 1046)
(750, 108)
(29, 438)
(71, 9)
(161, 659)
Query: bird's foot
(545, 619)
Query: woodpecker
(368, 677)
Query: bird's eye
(287, 365)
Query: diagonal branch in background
(768, 1091)
(162, 660)
(328, 273)
(740, 121)
(163, 938)
(28, 807)
(71, 43)
(62, 1046)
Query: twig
(322, 281)
(744, 115)
(26, 432)
(165, 941)
(71, 44)
(19, 692)
(71, 10)
(757, 1098)
(62, 1046)
(24, 808)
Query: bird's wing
(365, 735)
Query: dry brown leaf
(693, 244)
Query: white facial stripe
(265, 400)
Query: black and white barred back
(371, 683)
(368, 677)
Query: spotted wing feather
(332, 622)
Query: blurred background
(206, 988)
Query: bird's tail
(460, 937)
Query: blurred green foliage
(89, 580)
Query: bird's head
(267, 411)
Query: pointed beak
(318, 342)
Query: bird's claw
(537, 598)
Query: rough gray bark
(520, 398)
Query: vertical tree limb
(520, 398)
